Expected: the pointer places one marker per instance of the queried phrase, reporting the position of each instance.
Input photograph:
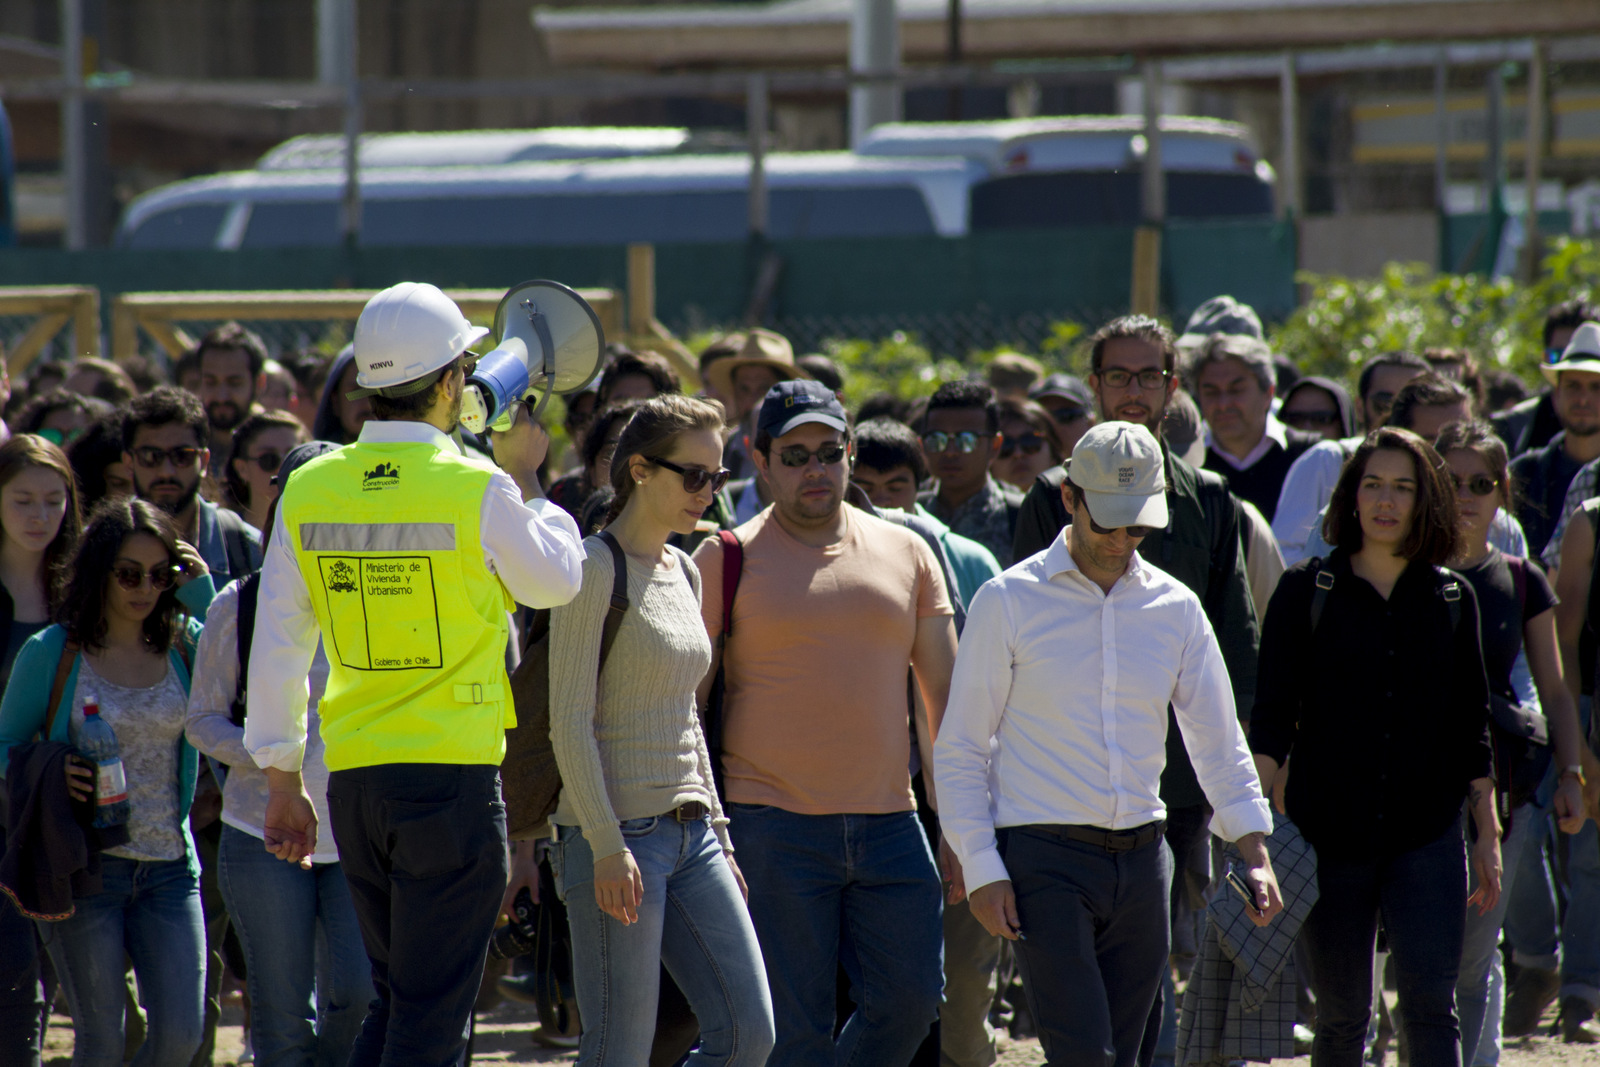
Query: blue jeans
(150, 913)
(423, 847)
(1421, 896)
(1580, 932)
(309, 978)
(693, 920)
(1481, 943)
(856, 890)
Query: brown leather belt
(1110, 840)
(693, 811)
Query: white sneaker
(248, 1054)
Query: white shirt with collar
(1058, 709)
(1273, 435)
(535, 549)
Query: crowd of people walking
(1171, 713)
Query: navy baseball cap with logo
(795, 403)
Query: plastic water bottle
(97, 743)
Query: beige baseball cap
(1118, 466)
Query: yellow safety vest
(413, 622)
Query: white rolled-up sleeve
(1203, 703)
(979, 688)
(535, 547)
(281, 650)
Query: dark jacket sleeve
(1042, 517)
(1285, 638)
(1231, 611)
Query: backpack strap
(732, 569)
(1519, 577)
(244, 635)
(69, 658)
(619, 596)
(1450, 593)
(1319, 596)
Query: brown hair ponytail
(653, 430)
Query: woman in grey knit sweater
(642, 856)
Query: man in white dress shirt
(1049, 760)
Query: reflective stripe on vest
(413, 622)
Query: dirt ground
(503, 1036)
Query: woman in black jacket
(1372, 676)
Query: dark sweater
(50, 857)
(1261, 482)
(1385, 709)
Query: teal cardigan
(25, 707)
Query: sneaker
(544, 1037)
(1577, 1022)
(1304, 1037)
(1532, 993)
(248, 1055)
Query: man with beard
(1133, 364)
(230, 359)
(165, 440)
(1548, 474)
(404, 556)
(832, 604)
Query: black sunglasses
(938, 441)
(799, 455)
(696, 478)
(1479, 484)
(1068, 414)
(1132, 531)
(269, 462)
(131, 576)
(1306, 420)
(1029, 443)
(149, 456)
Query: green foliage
(1500, 321)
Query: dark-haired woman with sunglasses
(259, 445)
(1516, 607)
(1029, 443)
(125, 626)
(642, 856)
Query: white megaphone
(549, 339)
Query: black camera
(517, 937)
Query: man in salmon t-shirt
(831, 606)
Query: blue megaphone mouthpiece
(500, 380)
(549, 337)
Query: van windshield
(1110, 198)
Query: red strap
(732, 568)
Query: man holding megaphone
(405, 557)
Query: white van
(608, 186)
(663, 199)
(1085, 171)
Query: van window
(185, 226)
(883, 211)
(292, 224)
(1110, 198)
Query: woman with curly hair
(129, 641)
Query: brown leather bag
(530, 781)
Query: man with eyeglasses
(1050, 767)
(165, 439)
(230, 359)
(832, 604)
(1232, 378)
(960, 436)
(1533, 422)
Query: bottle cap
(91, 708)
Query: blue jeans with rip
(149, 913)
(309, 977)
(693, 920)
(860, 891)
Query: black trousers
(1422, 898)
(423, 846)
(1098, 930)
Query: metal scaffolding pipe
(874, 50)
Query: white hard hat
(406, 333)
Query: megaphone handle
(549, 387)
